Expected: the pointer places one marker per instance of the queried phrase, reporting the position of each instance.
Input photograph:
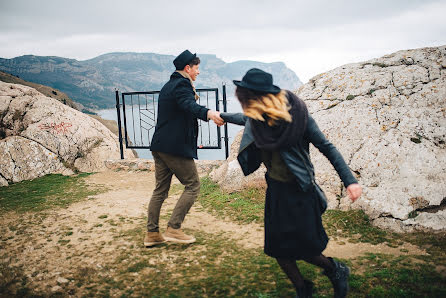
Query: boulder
(39, 135)
(141, 164)
(230, 176)
(387, 118)
(24, 159)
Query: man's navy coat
(176, 130)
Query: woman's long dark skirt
(293, 223)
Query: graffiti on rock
(61, 127)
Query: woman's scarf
(283, 134)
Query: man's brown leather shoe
(178, 236)
(153, 238)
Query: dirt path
(131, 192)
(87, 234)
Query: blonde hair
(256, 105)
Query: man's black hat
(258, 80)
(183, 59)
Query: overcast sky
(310, 36)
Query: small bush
(415, 140)
(379, 64)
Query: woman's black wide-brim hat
(258, 80)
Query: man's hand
(354, 191)
(215, 116)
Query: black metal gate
(137, 114)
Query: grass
(217, 266)
(214, 266)
(248, 205)
(45, 193)
(356, 225)
(242, 207)
(357, 228)
(13, 282)
(396, 276)
(350, 97)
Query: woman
(278, 130)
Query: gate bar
(125, 121)
(121, 149)
(226, 125)
(217, 108)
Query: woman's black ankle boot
(339, 278)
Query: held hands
(354, 191)
(215, 116)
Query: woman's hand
(215, 115)
(354, 191)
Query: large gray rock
(230, 176)
(141, 164)
(24, 159)
(34, 127)
(387, 118)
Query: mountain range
(91, 83)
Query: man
(174, 147)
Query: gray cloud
(309, 36)
(196, 17)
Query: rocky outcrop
(140, 164)
(45, 90)
(39, 135)
(387, 118)
(230, 176)
(24, 159)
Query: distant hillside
(45, 90)
(92, 82)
